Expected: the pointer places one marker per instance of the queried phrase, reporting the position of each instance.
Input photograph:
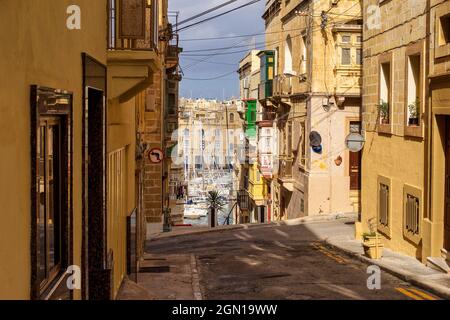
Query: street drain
(276, 275)
(159, 269)
(207, 258)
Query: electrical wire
(212, 78)
(219, 15)
(205, 12)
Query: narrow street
(267, 262)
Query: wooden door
(447, 189)
(355, 160)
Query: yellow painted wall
(121, 136)
(37, 48)
(256, 186)
(395, 156)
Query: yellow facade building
(405, 159)
(311, 92)
(252, 179)
(70, 99)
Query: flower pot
(373, 247)
(384, 121)
(413, 121)
(373, 251)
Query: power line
(219, 15)
(205, 12)
(213, 78)
(211, 62)
(240, 51)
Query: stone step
(439, 264)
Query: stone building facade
(405, 115)
(313, 87)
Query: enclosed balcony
(173, 56)
(285, 175)
(132, 46)
(265, 90)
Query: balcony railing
(282, 86)
(265, 89)
(132, 25)
(243, 200)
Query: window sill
(384, 230)
(385, 128)
(442, 51)
(413, 131)
(414, 238)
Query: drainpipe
(429, 120)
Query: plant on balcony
(414, 110)
(215, 204)
(383, 110)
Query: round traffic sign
(156, 155)
(315, 139)
(355, 142)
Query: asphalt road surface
(281, 262)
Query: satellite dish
(355, 142)
(315, 139)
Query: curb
(419, 281)
(195, 279)
(168, 235)
(293, 222)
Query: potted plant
(373, 246)
(383, 109)
(414, 109)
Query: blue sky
(244, 21)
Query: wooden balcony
(132, 48)
(265, 90)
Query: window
(304, 57)
(51, 188)
(346, 39)
(199, 162)
(385, 93)
(346, 57)
(171, 104)
(384, 206)
(412, 213)
(232, 117)
(186, 140)
(359, 57)
(413, 90)
(383, 209)
(444, 30)
(359, 39)
(49, 228)
(155, 16)
(289, 139)
(288, 55)
(303, 144)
